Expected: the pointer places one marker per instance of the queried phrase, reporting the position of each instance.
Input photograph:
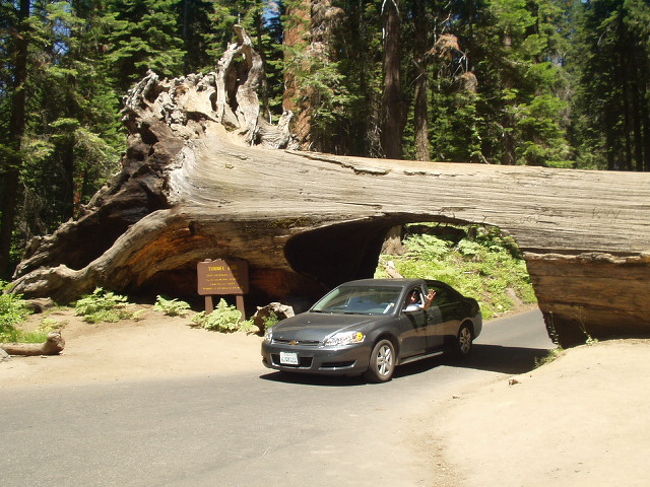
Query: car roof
(384, 282)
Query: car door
(446, 313)
(412, 328)
(435, 326)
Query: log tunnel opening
(345, 251)
(337, 253)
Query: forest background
(559, 83)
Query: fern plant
(171, 307)
(224, 318)
(103, 306)
(13, 310)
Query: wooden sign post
(222, 276)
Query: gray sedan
(371, 326)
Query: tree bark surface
(392, 105)
(193, 187)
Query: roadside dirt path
(581, 420)
(156, 346)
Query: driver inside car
(415, 298)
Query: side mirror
(412, 308)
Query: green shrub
(51, 324)
(271, 320)
(13, 311)
(225, 318)
(171, 307)
(103, 306)
(486, 266)
(427, 247)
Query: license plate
(288, 358)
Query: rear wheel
(382, 362)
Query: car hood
(315, 327)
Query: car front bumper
(344, 360)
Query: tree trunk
(393, 242)
(10, 178)
(509, 155)
(421, 98)
(392, 117)
(297, 37)
(193, 187)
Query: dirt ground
(156, 346)
(579, 420)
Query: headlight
(268, 335)
(345, 338)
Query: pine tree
(77, 129)
(515, 51)
(14, 104)
(611, 109)
(145, 36)
(70, 139)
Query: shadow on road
(314, 380)
(493, 358)
(497, 358)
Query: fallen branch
(52, 346)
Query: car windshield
(370, 300)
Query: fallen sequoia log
(54, 345)
(205, 176)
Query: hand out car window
(443, 295)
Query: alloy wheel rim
(384, 360)
(465, 340)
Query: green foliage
(610, 59)
(270, 321)
(144, 36)
(103, 306)
(428, 247)
(224, 318)
(12, 312)
(486, 266)
(551, 356)
(171, 307)
(51, 324)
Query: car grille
(286, 341)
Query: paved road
(252, 429)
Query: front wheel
(382, 362)
(463, 345)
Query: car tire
(382, 362)
(463, 342)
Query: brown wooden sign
(221, 276)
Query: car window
(413, 296)
(443, 295)
(359, 300)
